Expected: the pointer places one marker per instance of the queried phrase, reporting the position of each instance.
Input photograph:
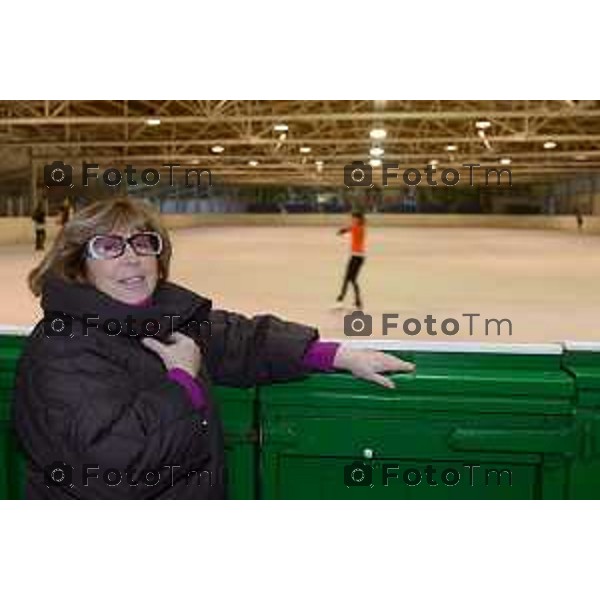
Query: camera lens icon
(58, 325)
(358, 324)
(58, 474)
(357, 474)
(58, 174)
(358, 174)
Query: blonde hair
(66, 257)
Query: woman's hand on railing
(368, 364)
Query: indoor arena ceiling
(302, 142)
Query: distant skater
(39, 219)
(579, 217)
(65, 212)
(357, 258)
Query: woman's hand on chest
(181, 352)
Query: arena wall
(16, 230)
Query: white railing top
(15, 329)
(582, 346)
(480, 347)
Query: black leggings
(352, 270)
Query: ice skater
(39, 220)
(579, 217)
(65, 212)
(357, 257)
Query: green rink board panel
(513, 414)
(237, 409)
(582, 361)
(11, 459)
(584, 366)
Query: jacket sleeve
(84, 405)
(244, 351)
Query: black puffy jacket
(93, 410)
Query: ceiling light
(305, 149)
(483, 124)
(378, 134)
(377, 152)
(152, 121)
(375, 162)
(217, 149)
(505, 161)
(281, 127)
(253, 163)
(451, 147)
(549, 145)
(433, 162)
(319, 163)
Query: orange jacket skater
(357, 258)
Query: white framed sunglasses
(111, 246)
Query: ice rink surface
(546, 283)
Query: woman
(114, 383)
